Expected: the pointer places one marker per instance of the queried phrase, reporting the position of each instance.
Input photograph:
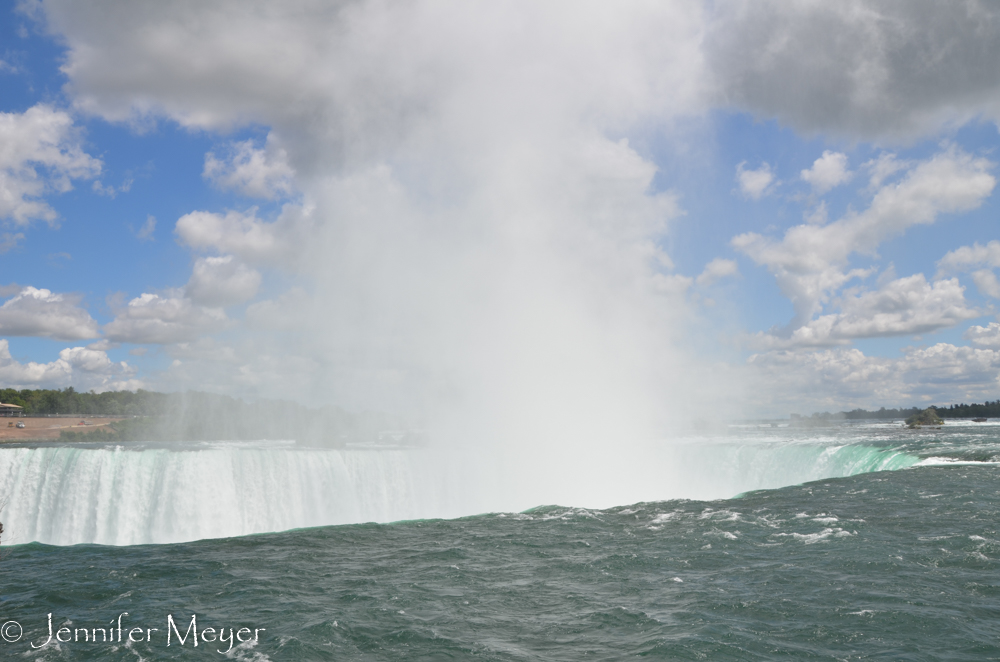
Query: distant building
(11, 410)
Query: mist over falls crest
(472, 240)
(149, 493)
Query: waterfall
(117, 495)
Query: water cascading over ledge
(117, 496)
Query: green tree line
(38, 402)
(985, 410)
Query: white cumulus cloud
(827, 172)
(972, 258)
(984, 336)
(282, 242)
(40, 153)
(155, 319)
(987, 283)
(843, 378)
(810, 262)
(716, 270)
(965, 258)
(40, 312)
(905, 306)
(254, 172)
(81, 367)
(754, 183)
(882, 168)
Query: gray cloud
(860, 68)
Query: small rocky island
(928, 417)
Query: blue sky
(377, 207)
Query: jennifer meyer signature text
(120, 631)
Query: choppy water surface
(897, 564)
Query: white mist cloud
(475, 234)
(40, 153)
(204, 350)
(221, 281)
(287, 312)
(40, 312)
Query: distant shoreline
(48, 428)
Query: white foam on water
(820, 536)
(952, 462)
